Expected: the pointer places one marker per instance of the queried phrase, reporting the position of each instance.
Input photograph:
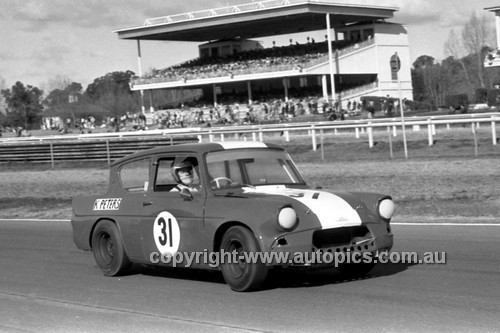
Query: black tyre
(355, 270)
(242, 275)
(108, 250)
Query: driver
(183, 175)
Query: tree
(63, 102)
(475, 36)
(3, 105)
(436, 80)
(417, 75)
(24, 107)
(112, 93)
(111, 82)
(455, 48)
(468, 48)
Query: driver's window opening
(164, 179)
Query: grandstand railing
(356, 47)
(354, 92)
(228, 10)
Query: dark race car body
(248, 198)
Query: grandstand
(353, 59)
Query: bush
(418, 106)
(481, 95)
(493, 98)
(457, 100)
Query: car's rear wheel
(108, 250)
(355, 270)
(242, 275)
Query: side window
(134, 176)
(164, 180)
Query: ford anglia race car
(242, 203)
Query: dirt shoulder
(461, 190)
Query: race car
(240, 207)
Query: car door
(172, 223)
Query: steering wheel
(218, 179)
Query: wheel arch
(221, 230)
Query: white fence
(314, 129)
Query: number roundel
(166, 233)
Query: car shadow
(192, 274)
(299, 278)
(277, 277)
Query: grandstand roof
(256, 19)
(493, 9)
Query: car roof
(197, 148)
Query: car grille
(345, 237)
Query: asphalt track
(47, 285)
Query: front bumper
(304, 248)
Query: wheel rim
(236, 269)
(105, 248)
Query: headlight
(287, 218)
(386, 209)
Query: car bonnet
(331, 210)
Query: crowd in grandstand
(290, 57)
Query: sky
(44, 42)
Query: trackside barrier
(358, 127)
(100, 150)
(256, 132)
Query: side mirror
(186, 194)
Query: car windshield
(236, 168)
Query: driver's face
(186, 175)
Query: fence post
(369, 129)
(261, 135)
(200, 138)
(287, 136)
(254, 136)
(390, 141)
(429, 132)
(313, 134)
(210, 136)
(357, 132)
(493, 130)
(473, 125)
(321, 142)
(222, 137)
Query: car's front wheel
(240, 274)
(108, 250)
